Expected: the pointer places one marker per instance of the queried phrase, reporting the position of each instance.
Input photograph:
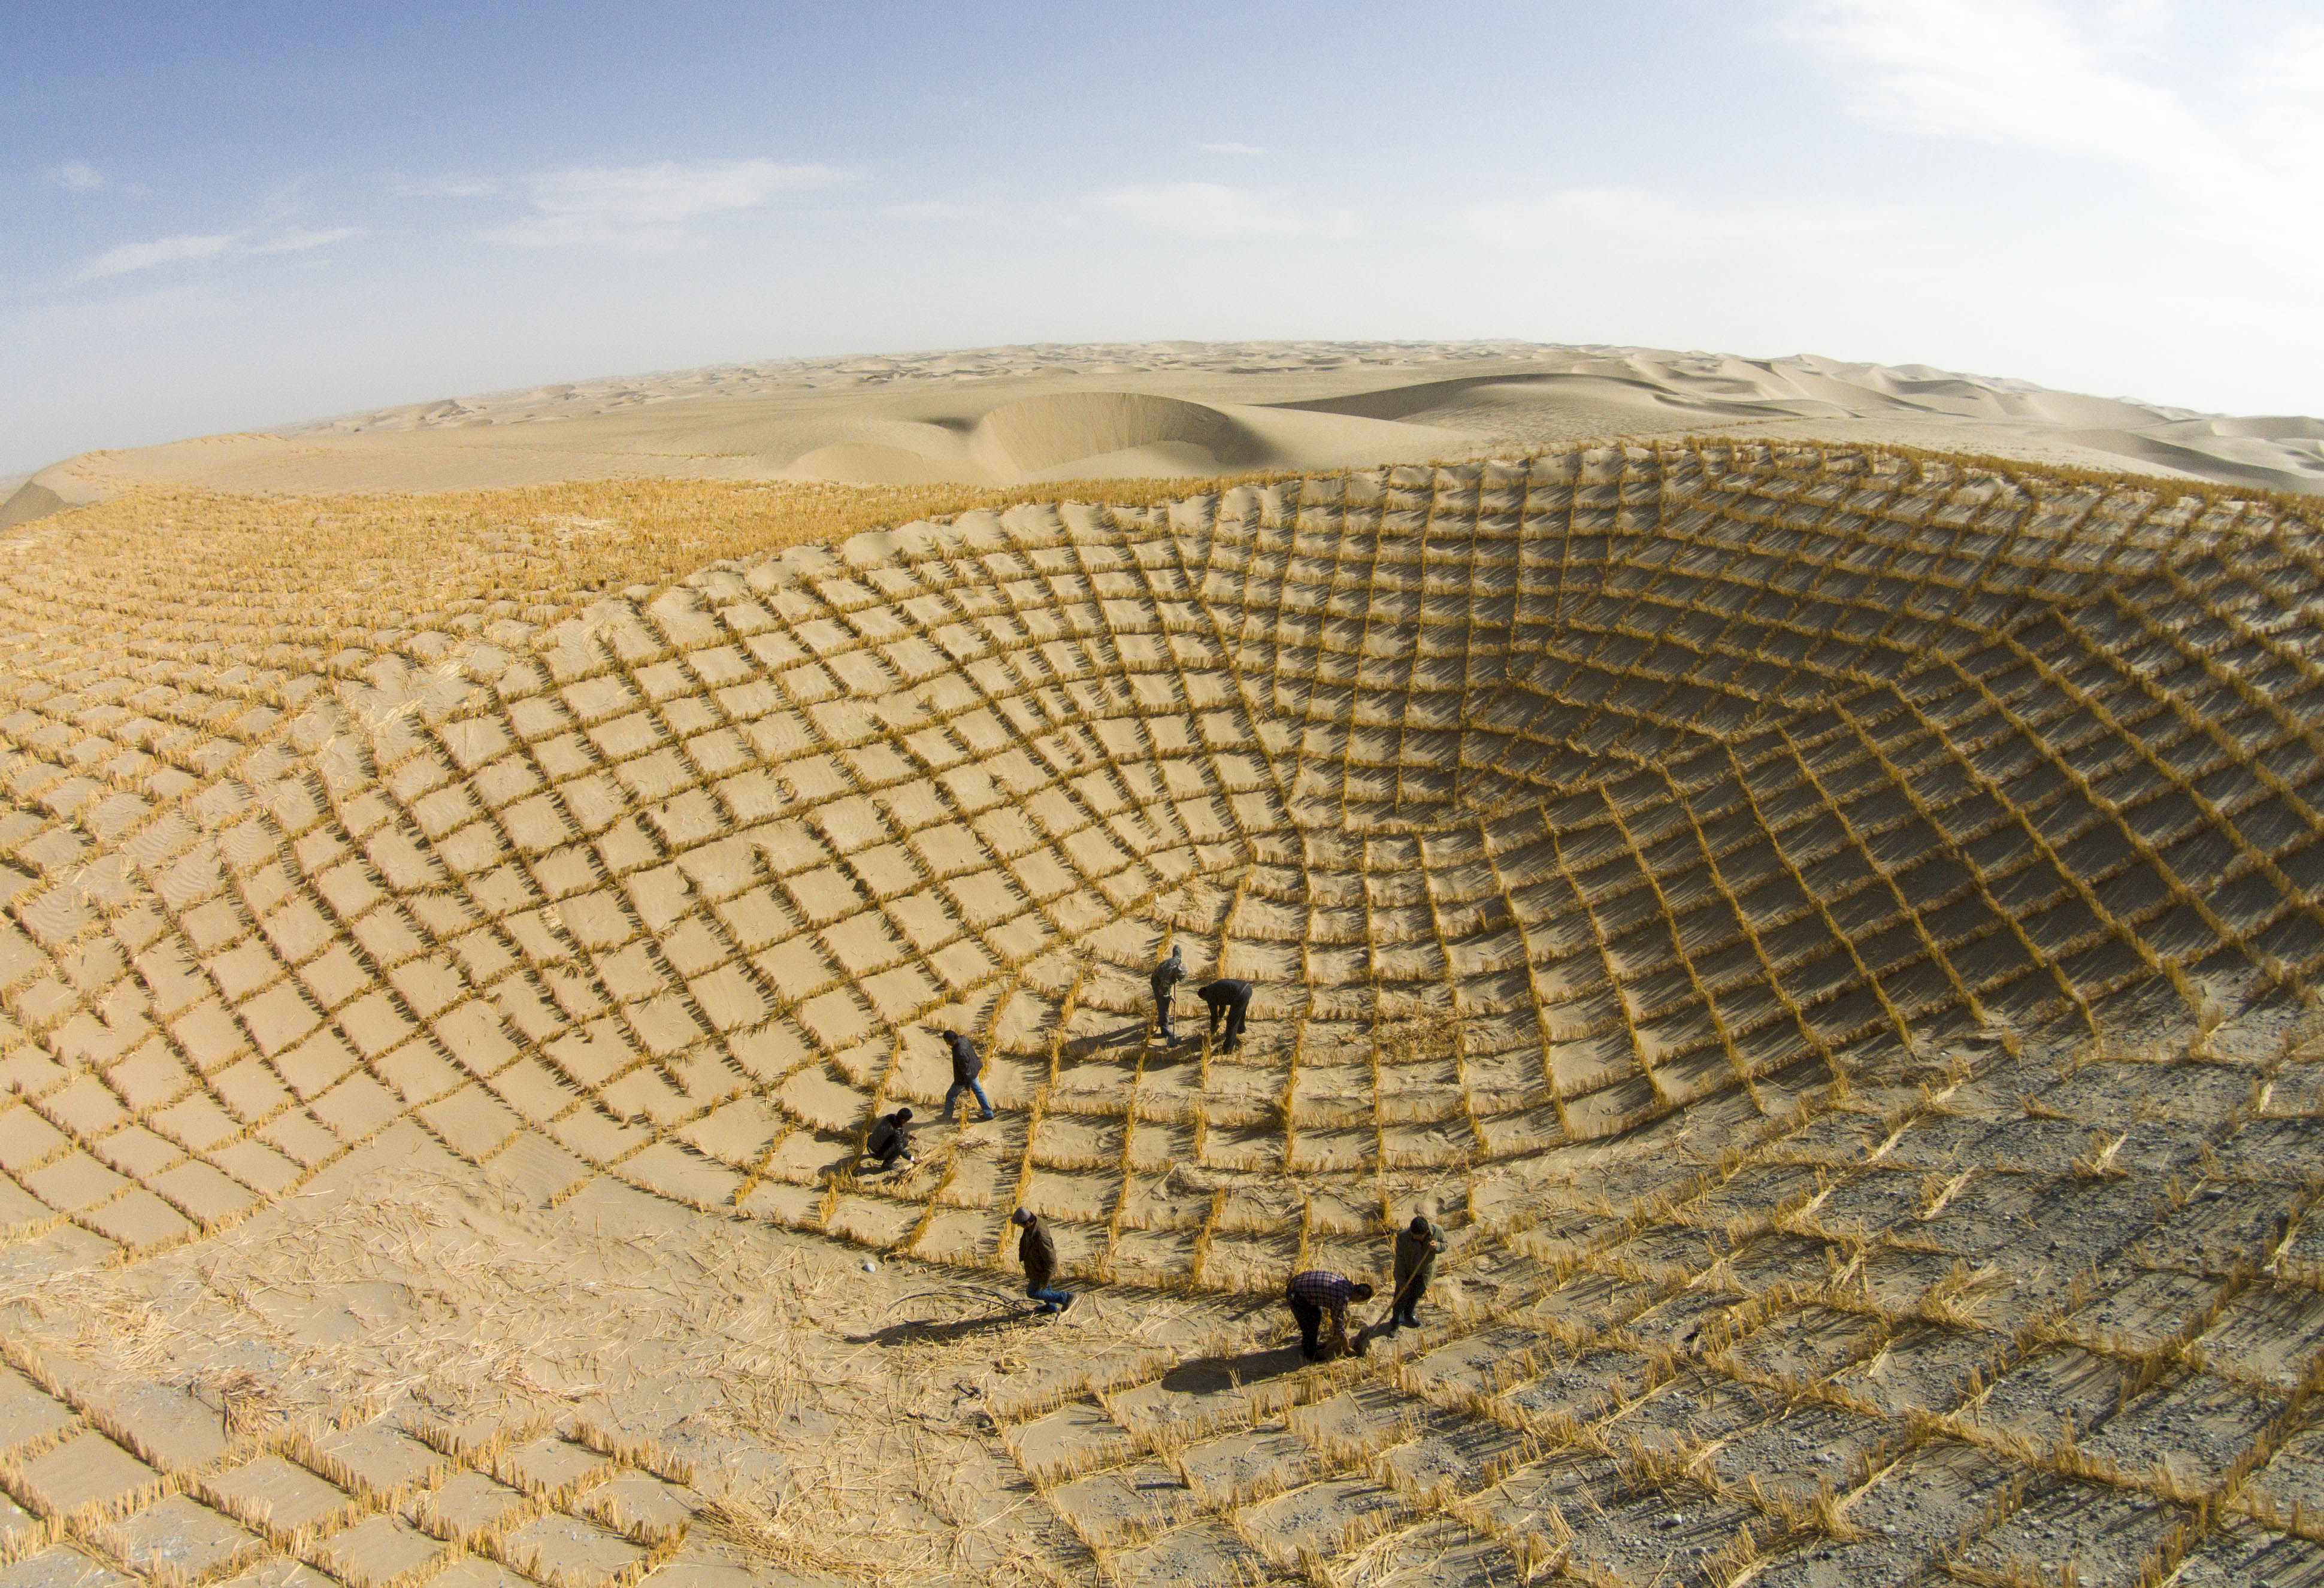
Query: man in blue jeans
(966, 1066)
(1038, 1253)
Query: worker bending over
(1229, 999)
(1315, 1295)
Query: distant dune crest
(1010, 416)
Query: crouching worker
(1229, 999)
(1416, 1246)
(1315, 1295)
(891, 1141)
(1038, 1253)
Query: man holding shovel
(1164, 981)
(1416, 1246)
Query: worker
(892, 1139)
(1231, 999)
(1167, 976)
(1316, 1294)
(967, 1064)
(1038, 1253)
(1416, 1246)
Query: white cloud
(1230, 148)
(446, 187)
(2019, 74)
(928, 209)
(2015, 74)
(162, 251)
(300, 242)
(652, 206)
(80, 176)
(1212, 209)
(2283, 96)
(1635, 217)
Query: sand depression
(1830, 929)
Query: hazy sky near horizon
(233, 216)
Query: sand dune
(1006, 416)
(1107, 435)
(1833, 935)
(30, 501)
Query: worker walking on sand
(1230, 999)
(1319, 1293)
(1038, 1253)
(890, 1139)
(1166, 978)
(967, 1064)
(1416, 1246)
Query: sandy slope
(1005, 416)
(1834, 938)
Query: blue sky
(230, 215)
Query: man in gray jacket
(1166, 978)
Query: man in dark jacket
(966, 1066)
(1167, 976)
(1230, 999)
(890, 1139)
(1038, 1253)
(1316, 1294)
(1416, 1246)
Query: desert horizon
(1011, 415)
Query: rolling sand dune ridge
(1015, 415)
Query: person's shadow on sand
(943, 1332)
(1096, 1042)
(1218, 1375)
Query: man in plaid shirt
(1317, 1292)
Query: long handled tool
(1362, 1343)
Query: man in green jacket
(1416, 1246)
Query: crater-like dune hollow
(1830, 932)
